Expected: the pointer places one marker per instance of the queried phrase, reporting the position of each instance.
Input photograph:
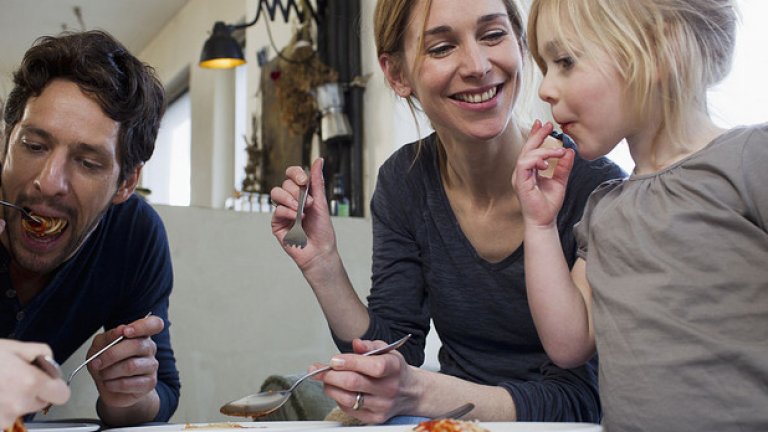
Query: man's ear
(126, 188)
(393, 71)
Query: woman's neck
(482, 169)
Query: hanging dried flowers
(300, 70)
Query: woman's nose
(475, 62)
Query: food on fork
(18, 426)
(554, 140)
(48, 226)
(449, 425)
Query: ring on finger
(359, 401)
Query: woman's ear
(128, 185)
(393, 71)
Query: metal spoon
(457, 413)
(27, 215)
(261, 404)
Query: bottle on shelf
(339, 203)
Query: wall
(240, 310)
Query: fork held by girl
(671, 284)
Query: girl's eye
(565, 62)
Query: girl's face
(587, 95)
(468, 67)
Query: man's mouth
(47, 227)
(479, 97)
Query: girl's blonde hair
(390, 25)
(676, 49)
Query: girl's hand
(541, 197)
(317, 220)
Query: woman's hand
(541, 197)
(317, 220)
(385, 383)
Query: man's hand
(126, 374)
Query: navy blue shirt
(122, 272)
(424, 267)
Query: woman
(447, 234)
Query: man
(80, 121)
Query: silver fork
(296, 236)
(24, 212)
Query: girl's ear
(393, 72)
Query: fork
(27, 215)
(296, 236)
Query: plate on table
(227, 426)
(61, 427)
(493, 427)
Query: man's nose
(52, 179)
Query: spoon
(261, 404)
(457, 413)
(27, 215)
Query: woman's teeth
(478, 97)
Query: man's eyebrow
(31, 129)
(482, 20)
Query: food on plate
(47, 226)
(220, 425)
(18, 426)
(554, 140)
(449, 425)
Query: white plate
(226, 426)
(61, 427)
(492, 427)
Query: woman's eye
(495, 35)
(440, 50)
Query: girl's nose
(547, 90)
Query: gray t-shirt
(678, 264)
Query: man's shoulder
(131, 222)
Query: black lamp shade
(221, 50)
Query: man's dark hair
(127, 90)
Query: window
(167, 173)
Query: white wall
(240, 309)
